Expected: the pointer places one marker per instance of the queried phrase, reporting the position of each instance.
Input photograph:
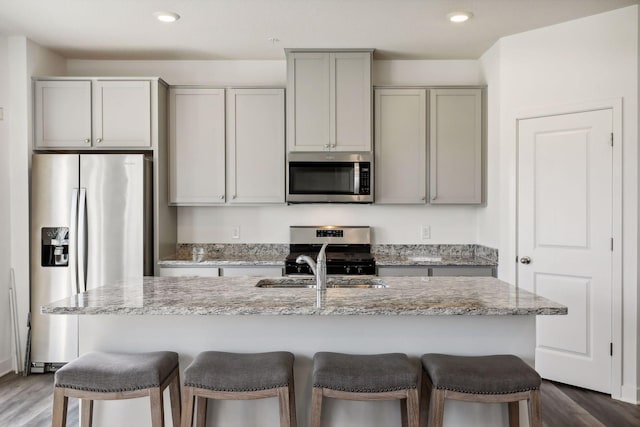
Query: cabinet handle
(221, 197)
(424, 198)
(234, 196)
(333, 145)
(99, 140)
(327, 145)
(87, 141)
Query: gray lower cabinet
(420, 271)
(463, 271)
(189, 271)
(251, 271)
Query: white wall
(25, 59)
(585, 60)
(397, 224)
(5, 224)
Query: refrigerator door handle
(82, 240)
(73, 239)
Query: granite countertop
(432, 261)
(239, 296)
(224, 260)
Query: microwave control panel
(365, 179)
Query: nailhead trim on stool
(116, 376)
(492, 379)
(388, 376)
(239, 376)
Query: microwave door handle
(356, 178)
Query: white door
(564, 241)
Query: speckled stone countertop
(239, 296)
(243, 255)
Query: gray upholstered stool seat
(365, 377)
(239, 376)
(115, 376)
(495, 378)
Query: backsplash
(262, 250)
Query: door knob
(525, 260)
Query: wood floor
(26, 401)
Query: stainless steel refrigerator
(91, 225)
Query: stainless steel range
(348, 253)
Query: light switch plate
(235, 233)
(425, 232)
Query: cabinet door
(463, 271)
(350, 101)
(455, 141)
(308, 112)
(189, 271)
(63, 114)
(196, 143)
(255, 146)
(122, 114)
(401, 145)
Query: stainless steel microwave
(329, 177)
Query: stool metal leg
(316, 406)
(60, 404)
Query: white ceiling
(240, 29)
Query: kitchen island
(414, 315)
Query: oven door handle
(356, 178)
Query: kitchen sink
(294, 282)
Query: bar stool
(388, 376)
(116, 376)
(488, 379)
(239, 376)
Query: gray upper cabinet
(400, 146)
(255, 146)
(85, 113)
(227, 147)
(329, 100)
(455, 146)
(196, 146)
(440, 146)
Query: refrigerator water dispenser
(55, 247)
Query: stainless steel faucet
(319, 269)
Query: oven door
(320, 177)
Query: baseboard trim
(6, 366)
(630, 394)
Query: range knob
(347, 269)
(359, 270)
(299, 268)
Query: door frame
(615, 105)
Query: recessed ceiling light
(166, 16)
(459, 17)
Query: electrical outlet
(235, 234)
(425, 232)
